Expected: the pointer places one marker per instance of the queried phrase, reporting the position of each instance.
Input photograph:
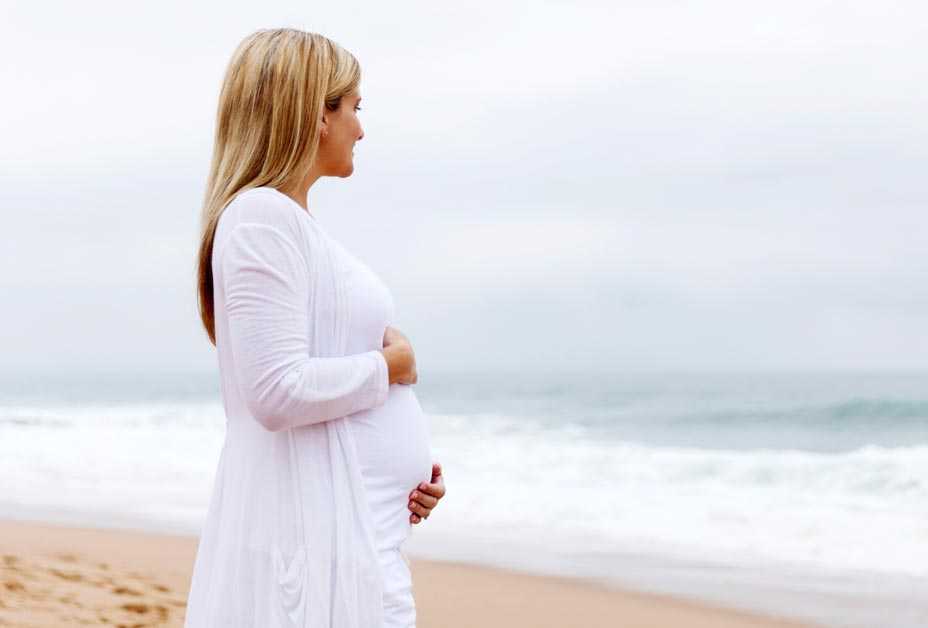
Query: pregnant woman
(326, 449)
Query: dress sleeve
(266, 290)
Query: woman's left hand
(426, 495)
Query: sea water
(804, 493)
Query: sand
(59, 576)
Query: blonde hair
(267, 125)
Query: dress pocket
(291, 582)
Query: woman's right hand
(401, 361)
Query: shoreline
(58, 574)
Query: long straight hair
(267, 125)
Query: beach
(55, 576)
(579, 500)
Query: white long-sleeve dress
(309, 507)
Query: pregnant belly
(395, 456)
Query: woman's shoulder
(266, 207)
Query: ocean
(796, 493)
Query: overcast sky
(620, 185)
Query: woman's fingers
(426, 500)
(419, 509)
(435, 489)
(425, 497)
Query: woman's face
(342, 130)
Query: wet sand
(54, 576)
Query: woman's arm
(266, 290)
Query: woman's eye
(357, 109)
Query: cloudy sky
(614, 185)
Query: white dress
(309, 505)
(392, 442)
